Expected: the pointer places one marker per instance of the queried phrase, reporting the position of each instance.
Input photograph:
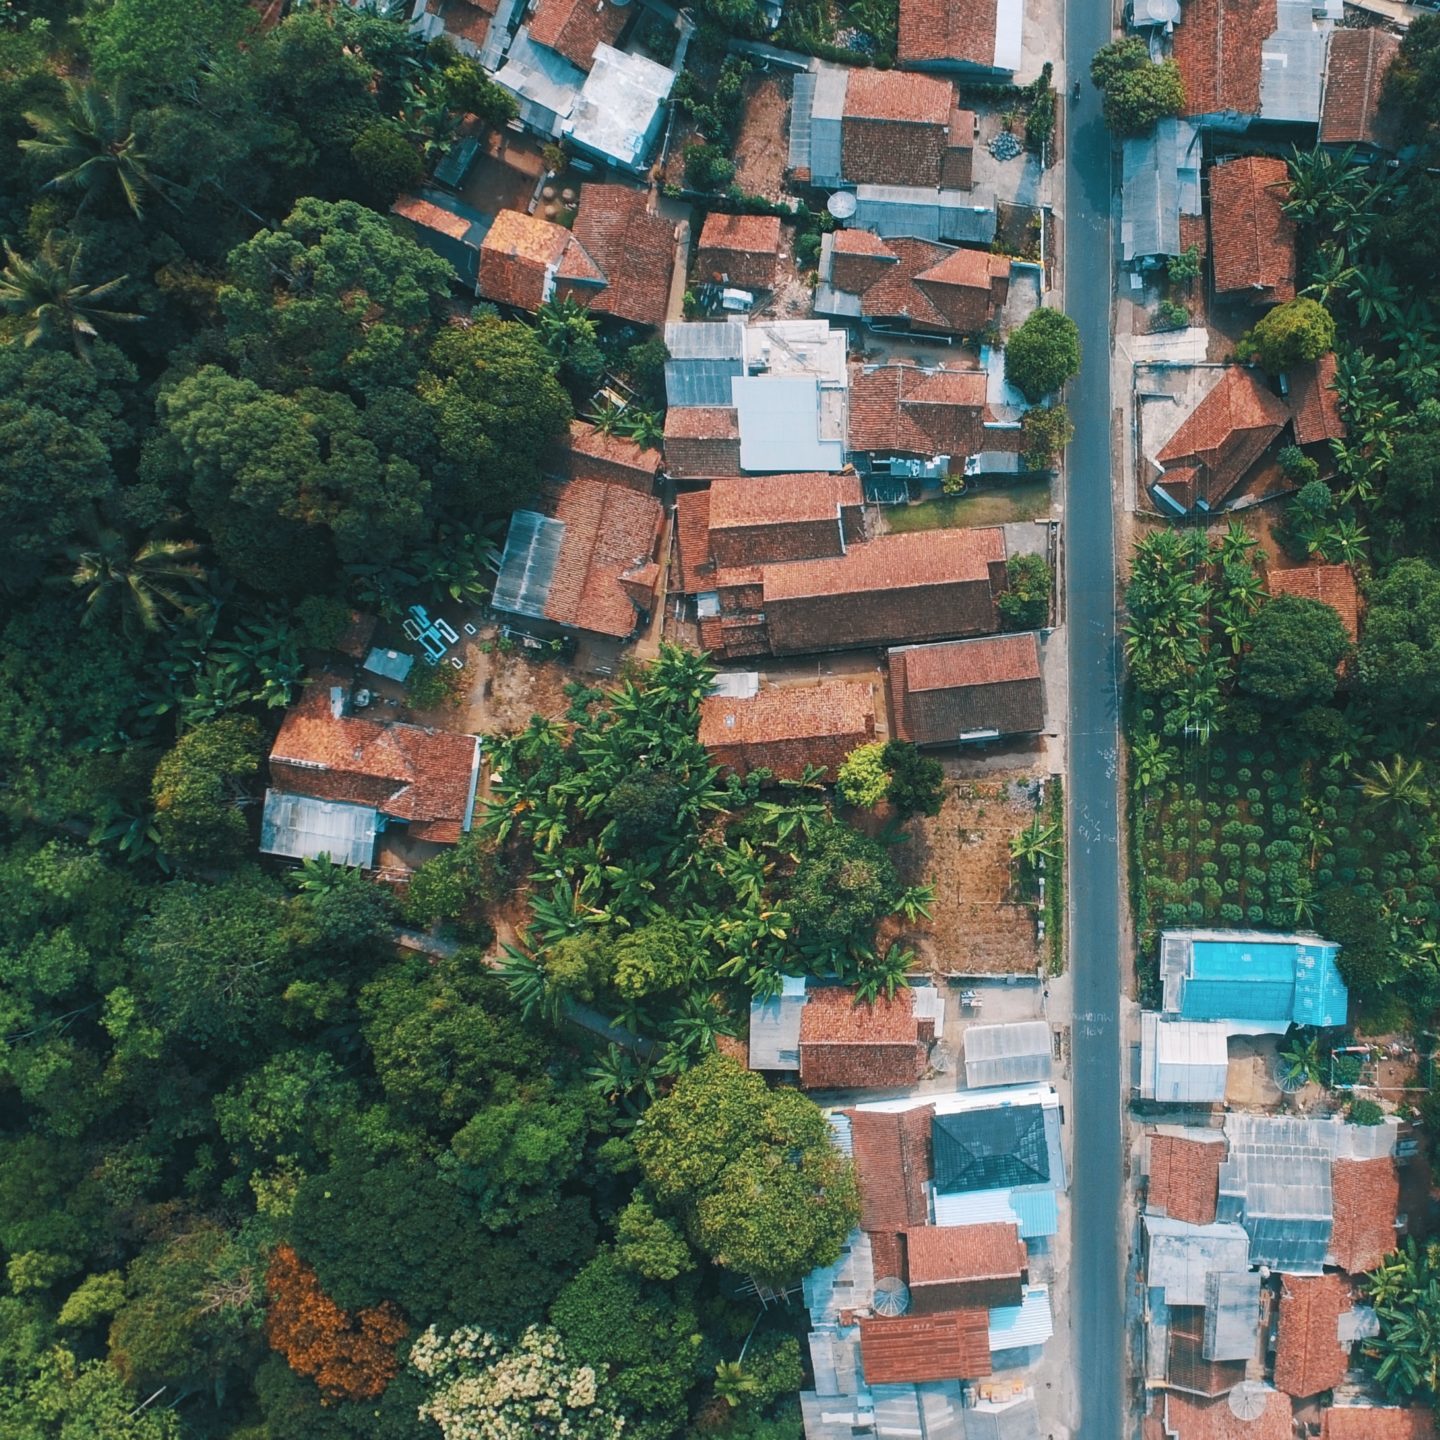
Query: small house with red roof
(1218, 46)
(1252, 240)
(616, 260)
(1309, 1354)
(785, 729)
(962, 1267)
(975, 37)
(340, 777)
(1351, 108)
(852, 1044)
(906, 284)
(573, 28)
(900, 409)
(588, 565)
(1332, 585)
(739, 250)
(966, 690)
(591, 454)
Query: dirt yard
(763, 149)
(506, 690)
(979, 925)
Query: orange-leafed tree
(349, 1356)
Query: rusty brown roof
(942, 1254)
(782, 499)
(633, 250)
(573, 28)
(954, 1344)
(844, 708)
(870, 1045)
(1308, 1355)
(892, 562)
(597, 456)
(902, 408)
(947, 30)
(1252, 240)
(899, 97)
(1355, 70)
(1366, 1197)
(1188, 1418)
(1227, 432)
(1217, 47)
(1184, 1177)
(1313, 401)
(892, 1165)
(1376, 1422)
(1332, 585)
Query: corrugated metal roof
(780, 427)
(1150, 198)
(1232, 1314)
(1035, 1212)
(392, 664)
(1014, 1327)
(1292, 61)
(1018, 1421)
(532, 548)
(1183, 1061)
(835, 1359)
(961, 216)
(1007, 1054)
(1252, 976)
(1276, 1182)
(545, 82)
(705, 340)
(618, 113)
(827, 106)
(846, 1285)
(1181, 1256)
(842, 1132)
(802, 103)
(303, 828)
(775, 1028)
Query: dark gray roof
(990, 1149)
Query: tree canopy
(1043, 353)
(1138, 90)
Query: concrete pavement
(1097, 1311)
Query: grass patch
(1055, 889)
(1029, 500)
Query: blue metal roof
(1013, 1327)
(1034, 1211)
(1251, 978)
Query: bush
(323, 619)
(1170, 316)
(1364, 1112)
(1025, 604)
(1047, 432)
(1138, 92)
(430, 685)
(1296, 465)
(708, 167)
(864, 780)
(1290, 334)
(1043, 353)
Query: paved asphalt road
(1097, 1244)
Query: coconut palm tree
(733, 1384)
(88, 145)
(1397, 784)
(46, 297)
(109, 570)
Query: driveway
(1097, 1312)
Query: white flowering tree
(482, 1389)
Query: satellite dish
(1249, 1399)
(842, 205)
(892, 1296)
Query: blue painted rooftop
(1252, 977)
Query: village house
(1332, 585)
(977, 37)
(755, 399)
(940, 416)
(588, 566)
(738, 250)
(1351, 111)
(910, 285)
(961, 691)
(340, 778)
(900, 142)
(1252, 240)
(965, 1267)
(786, 729)
(615, 260)
(1314, 404)
(589, 454)
(1160, 193)
(466, 22)
(453, 230)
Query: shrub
(1138, 92)
(430, 685)
(1364, 1112)
(708, 167)
(1025, 603)
(1047, 431)
(1043, 353)
(1170, 316)
(1297, 466)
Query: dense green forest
(263, 1175)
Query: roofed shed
(1007, 1054)
(967, 689)
(956, 1267)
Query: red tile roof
(887, 1254)
(465, 19)
(694, 569)
(893, 562)
(786, 729)
(742, 249)
(1355, 70)
(940, 692)
(633, 248)
(900, 408)
(1217, 47)
(1313, 401)
(1186, 1367)
(949, 30)
(1332, 585)
(611, 458)
(430, 216)
(1187, 1418)
(1252, 240)
(892, 1164)
(573, 28)
(965, 1266)
(893, 95)
(948, 1346)
(932, 286)
(1376, 1422)
(860, 242)
(1227, 432)
(1366, 1196)
(867, 1046)
(1184, 1177)
(1308, 1355)
(425, 777)
(778, 499)
(702, 441)
(518, 256)
(610, 535)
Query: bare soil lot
(763, 148)
(980, 925)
